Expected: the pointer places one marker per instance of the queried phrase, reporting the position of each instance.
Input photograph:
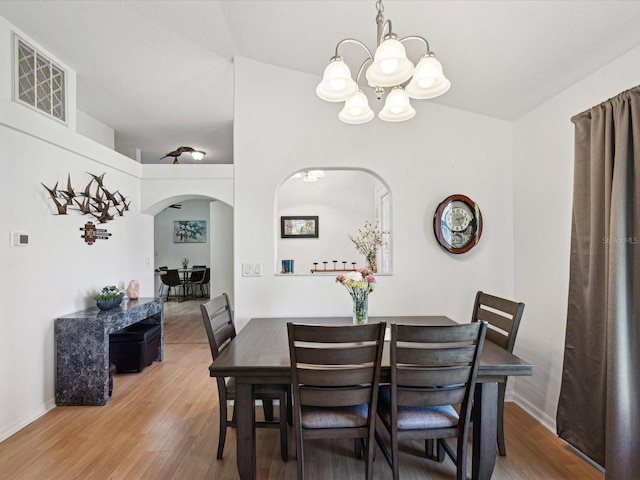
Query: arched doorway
(213, 246)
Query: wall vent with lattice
(39, 82)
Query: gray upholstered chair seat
(415, 418)
(334, 417)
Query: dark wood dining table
(260, 354)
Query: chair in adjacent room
(433, 371)
(197, 273)
(161, 271)
(171, 279)
(504, 318)
(218, 321)
(195, 277)
(202, 282)
(335, 371)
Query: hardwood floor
(162, 423)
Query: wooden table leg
(485, 413)
(245, 431)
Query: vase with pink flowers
(359, 284)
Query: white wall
(439, 152)
(163, 185)
(57, 273)
(543, 179)
(342, 200)
(95, 130)
(221, 250)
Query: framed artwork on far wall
(299, 227)
(189, 231)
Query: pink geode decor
(133, 289)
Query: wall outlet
(251, 270)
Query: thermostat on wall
(19, 239)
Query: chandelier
(389, 68)
(309, 176)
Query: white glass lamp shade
(390, 65)
(197, 155)
(337, 84)
(356, 110)
(397, 107)
(428, 80)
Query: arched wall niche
(342, 199)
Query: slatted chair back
(503, 317)
(218, 321)
(435, 365)
(335, 372)
(433, 369)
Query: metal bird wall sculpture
(94, 200)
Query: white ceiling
(161, 74)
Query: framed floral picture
(299, 227)
(189, 231)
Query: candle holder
(336, 267)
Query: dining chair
(161, 271)
(335, 371)
(433, 376)
(218, 321)
(171, 279)
(197, 274)
(201, 282)
(503, 317)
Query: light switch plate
(251, 270)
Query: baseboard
(535, 412)
(550, 424)
(13, 429)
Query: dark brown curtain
(598, 409)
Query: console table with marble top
(82, 348)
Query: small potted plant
(185, 263)
(109, 297)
